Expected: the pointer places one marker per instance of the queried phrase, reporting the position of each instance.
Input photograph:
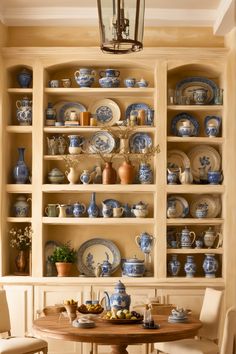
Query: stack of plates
(173, 319)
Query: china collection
(195, 90)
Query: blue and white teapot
(145, 242)
(119, 300)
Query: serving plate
(179, 119)
(106, 111)
(121, 321)
(187, 85)
(136, 107)
(95, 251)
(213, 205)
(181, 206)
(64, 108)
(203, 156)
(177, 159)
(103, 142)
(139, 141)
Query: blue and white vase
(106, 268)
(210, 265)
(109, 78)
(145, 173)
(50, 112)
(24, 111)
(24, 78)
(174, 265)
(190, 267)
(21, 207)
(79, 209)
(85, 177)
(21, 171)
(93, 209)
(85, 77)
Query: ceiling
(218, 14)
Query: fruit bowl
(90, 309)
(122, 317)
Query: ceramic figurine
(24, 78)
(21, 171)
(119, 300)
(134, 267)
(109, 78)
(145, 173)
(79, 209)
(186, 176)
(190, 267)
(21, 206)
(93, 210)
(187, 238)
(85, 177)
(24, 111)
(174, 265)
(209, 238)
(85, 77)
(210, 265)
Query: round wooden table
(118, 336)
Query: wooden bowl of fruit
(94, 309)
(122, 317)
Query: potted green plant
(63, 256)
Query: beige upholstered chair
(16, 345)
(229, 336)
(205, 343)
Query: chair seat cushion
(20, 345)
(188, 346)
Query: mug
(214, 177)
(51, 210)
(118, 212)
(53, 83)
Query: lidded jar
(21, 206)
(120, 300)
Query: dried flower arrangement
(71, 161)
(21, 239)
(149, 152)
(119, 132)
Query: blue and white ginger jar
(174, 265)
(210, 265)
(190, 267)
(145, 173)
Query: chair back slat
(229, 336)
(210, 314)
(4, 313)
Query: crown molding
(225, 18)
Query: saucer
(173, 319)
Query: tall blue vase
(93, 209)
(21, 171)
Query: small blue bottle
(93, 209)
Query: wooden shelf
(195, 250)
(195, 188)
(89, 129)
(103, 188)
(16, 219)
(195, 107)
(19, 129)
(20, 90)
(98, 221)
(99, 91)
(188, 221)
(19, 188)
(196, 140)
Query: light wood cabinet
(163, 68)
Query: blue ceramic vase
(93, 209)
(145, 174)
(24, 78)
(190, 267)
(174, 266)
(21, 171)
(210, 266)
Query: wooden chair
(206, 342)
(16, 345)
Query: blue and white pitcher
(145, 242)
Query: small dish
(139, 142)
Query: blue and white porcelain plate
(138, 106)
(178, 120)
(106, 111)
(214, 120)
(181, 206)
(187, 85)
(212, 203)
(64, 108)
(95, 251)
(102, 142)
(139, 141)
(112, 203)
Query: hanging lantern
(121, 25)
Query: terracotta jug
(108, 174)
(126, 173)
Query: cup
(84, 118)
(66, 83)
(118, 212)
(51, 210)
(93, 121)
(218, 99)
(53, 83)
(214, 177)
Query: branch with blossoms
(21, 239)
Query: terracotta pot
(108, 174)
(63, 269)
(126, 173)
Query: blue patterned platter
(215, 120)
(102, 142)
(181, 206)
(187, 85)
(64, 108)
(112, 203)
(106, 111)
(139, 141)
(136, 107)
(179, 119)
(95, 251)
